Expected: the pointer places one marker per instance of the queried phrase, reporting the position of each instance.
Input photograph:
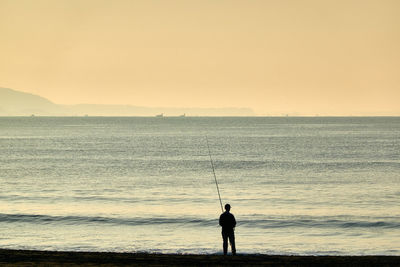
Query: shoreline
(10, 257)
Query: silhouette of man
(228, 223)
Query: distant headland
(17, 103)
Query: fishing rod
(215, 177)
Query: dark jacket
(227, 221)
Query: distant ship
(160, 115)
(183, 115)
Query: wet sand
(53, 258)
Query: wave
(316, 222)
(300, 164)
(36, 218)
(321, 223)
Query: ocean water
(310, 186)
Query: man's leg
(232, 241)
(225, 242)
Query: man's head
(227, 207)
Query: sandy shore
(52, 258)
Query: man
(228, 223)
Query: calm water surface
(296, 185)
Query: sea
(296, 185)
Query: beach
(55, 258)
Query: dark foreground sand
(51, 258)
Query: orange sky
(338, 57)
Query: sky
(325, 57)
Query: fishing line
(215, 177)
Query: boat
(160, 115)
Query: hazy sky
(312, 57)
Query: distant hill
(16, 103)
